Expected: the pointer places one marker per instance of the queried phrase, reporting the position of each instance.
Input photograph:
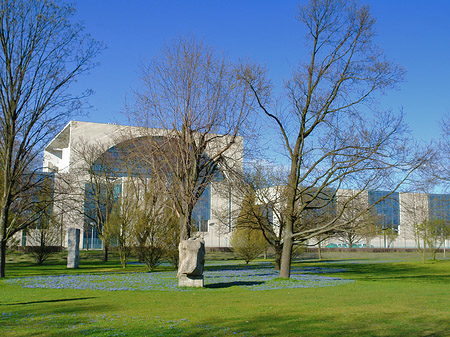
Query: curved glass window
(134, 158)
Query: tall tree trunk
(185, 231)
(2, 256)
(6, 196)
(3, 239)
(288, 240)
(278, 251)
(285, 270)
(319, 250)
(105, 252)
(423, 251)
(185, 222)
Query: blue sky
(413, 33)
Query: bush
(248, 243)
(150, 255)
(42, 253)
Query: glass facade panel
(439, 207)
(115, 162)
(388, 209)
(202, 210)
(91, 238)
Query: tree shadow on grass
(434, 278)
(396, 271)
(320, 323)
(325, 261)
(56, 300)
(206, 274)
(232, 284)
(259, 266)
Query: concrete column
(73, 247)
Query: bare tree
(248, 239)
(43, 239)
(369, 229)
(119, 228)
(391, 234)
(200, 105)
(149, 219)
(438, 172)
(430, 235)
(248, 243)
(414, 208)
(150, 229)
(138, 214)
(42, 233)
(436, 229)
(313, 219)
(354, 228)
(123, 199)
(100, 173)
(264, 186)
(172, 235)
(331, 132)
(41, 54)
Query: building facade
(66, 157)
(82, 144)
(394, 219)
(401, 212)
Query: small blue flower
(256, 277)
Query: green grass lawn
(392, 295)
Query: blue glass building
(439, 207)
(387, 207)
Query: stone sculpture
(192, 261)
(73, 247)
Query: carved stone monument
(73, 247)
(192, 261)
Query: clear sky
(413, 33)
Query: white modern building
(214, 214)
(65, 156)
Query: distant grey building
(393, 210)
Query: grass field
(379, 295)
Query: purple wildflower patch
(261, 277)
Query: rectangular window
(96, 201)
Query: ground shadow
(51, 301)
(260, 266)
(316, 261)
(232, 284)
(286, 323)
